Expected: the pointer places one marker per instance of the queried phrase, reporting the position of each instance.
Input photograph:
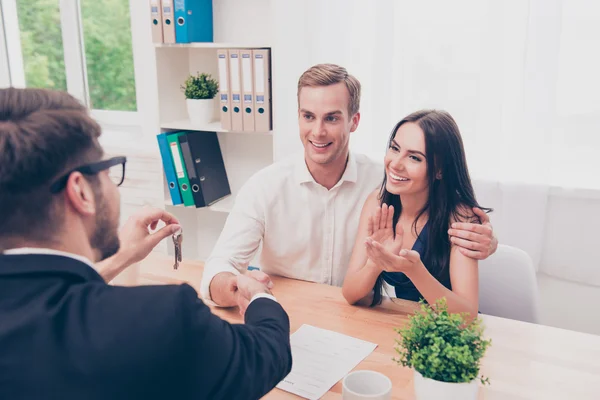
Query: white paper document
(320, 359)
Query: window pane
(41, 44)
(108, 53)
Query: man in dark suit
(64, 332)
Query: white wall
(569, 305)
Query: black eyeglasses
(115, 165)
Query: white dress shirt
(307, 232)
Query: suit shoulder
(154, 306)
(131, 324)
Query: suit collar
(46, 263)
(39, 250)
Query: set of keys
(177, 240)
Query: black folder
(205, 167)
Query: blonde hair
(330, 74)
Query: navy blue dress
(399, 281)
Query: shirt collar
(303, 175)
(36, 250)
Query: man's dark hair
(43, 135)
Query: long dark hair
(448, 196)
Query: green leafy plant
(201, 86)
(442, 346)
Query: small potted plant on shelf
(445, 351)
(200, 91)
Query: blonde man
(305, 210)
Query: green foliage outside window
(107, 40)
(41, 44)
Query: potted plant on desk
(200, 91)
(445, 351)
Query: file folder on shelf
(156, 21)
(168, 23)
(193, 21)
(205, 167)
(224, 90)
(237, 121)
(169, 169)
(247, 90)
(262, 90)
(180, 171)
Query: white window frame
(4, 67)
(74, 50)
(12, 48)
(11, 56)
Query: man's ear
(438, 176)
(80, 195)
(355, 120)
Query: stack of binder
(194, 167)
(245, 89)
(181, 21)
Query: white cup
(361, 385)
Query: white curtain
(521, 78)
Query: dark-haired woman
(403, 248)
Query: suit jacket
(66, 334)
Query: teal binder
(180, 171)
(193, 21)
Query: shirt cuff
(207, 277)
(261, 296)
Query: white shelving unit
(239, 25)
(211, 45)
(225, 205)
(244, 153)
(215, 126)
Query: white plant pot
(200, 112)
(429, 389)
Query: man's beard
(105, 238)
